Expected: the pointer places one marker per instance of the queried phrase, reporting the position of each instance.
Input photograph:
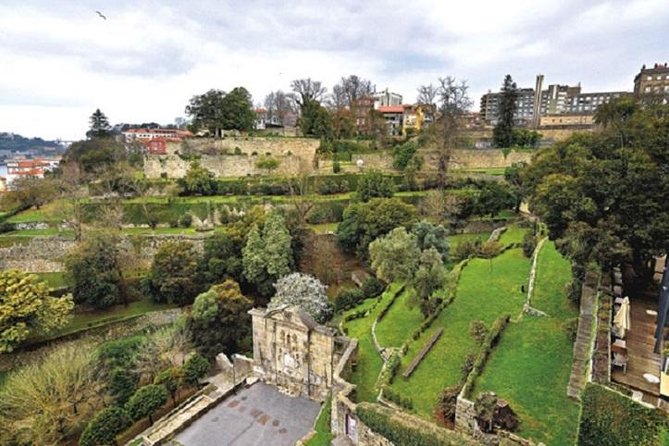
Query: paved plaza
(256, 416)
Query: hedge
(611, 419)
(407, 430)
(488, 344)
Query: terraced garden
(529, 367)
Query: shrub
(372, 287)
(403, 155)
(186, 220)
(195, 369)
(444, 410)
(529, 244)
(391, 395)
(478, 331)
(104, 427)
(348, 298)
(336, 166)
(122, 384)
(146, 401)
(466, 248)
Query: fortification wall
(235, 157)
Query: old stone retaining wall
(295, 155)
(46, 254)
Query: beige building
(292, 352)
(566, 120)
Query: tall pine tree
(503, 132)
(100, 127)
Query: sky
(59, 60)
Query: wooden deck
(640, 342)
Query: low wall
(46, 254)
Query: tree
(94, 156)
(237, 110)
(279, 105)
(315, 121)
(493, 198)
(427, 95)
(46, 401)
(198, 181)
(447, 132)
(34, 192)
(363, 222)
(195, 369)
(394, 256)
(172, 277)
(26, 309)
(164, 348)
(305, 292)
(171, 378)
(268, 257)
(513, 177)
(350, 90)
(105, 426)
(96, 268)
(430, 275)
(222, 305)
(431, 236)
(374, 184)
(146, 401)
(206, 110)
(267, 163)
(99, 126)
(222, 259)
(307, 91)
(503, 132)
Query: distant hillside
(18, 143)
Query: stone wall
(295, 155)
(46, 254)
(460, 159)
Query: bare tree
(354, 88)
(427, 95)
(306, 90)
(279, 104)
(447, 134)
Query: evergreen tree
(503, 132)
(100, 127)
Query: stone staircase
(583, 344)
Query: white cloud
(61, 61)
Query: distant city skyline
(61, 60)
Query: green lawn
(457, 238)
(513, 234)
(400, 321)
(323, 228)
(530, 366)
(485, 291)
(369, 362)
(88, 319)
(54, 279)
(323, 435)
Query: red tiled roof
(392, 109)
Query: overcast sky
(59, 60)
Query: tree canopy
(217, 110)
(394, 256)
(602, 195)
(26, 309)
(172, 277)
(503, 132)
(374, 184)
(99, 125)
(198, 181)
(304, 291)
(219, 321)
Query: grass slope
(402, 319)
(485, 292)
(530, 366)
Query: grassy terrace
(323, 436)
(369, 362)
(82, 320)
(402, 318)
(486, 290)
(530, 366)
(54, 279)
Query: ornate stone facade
(292, 352)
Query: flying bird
(101, 15)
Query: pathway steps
(583, 344)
